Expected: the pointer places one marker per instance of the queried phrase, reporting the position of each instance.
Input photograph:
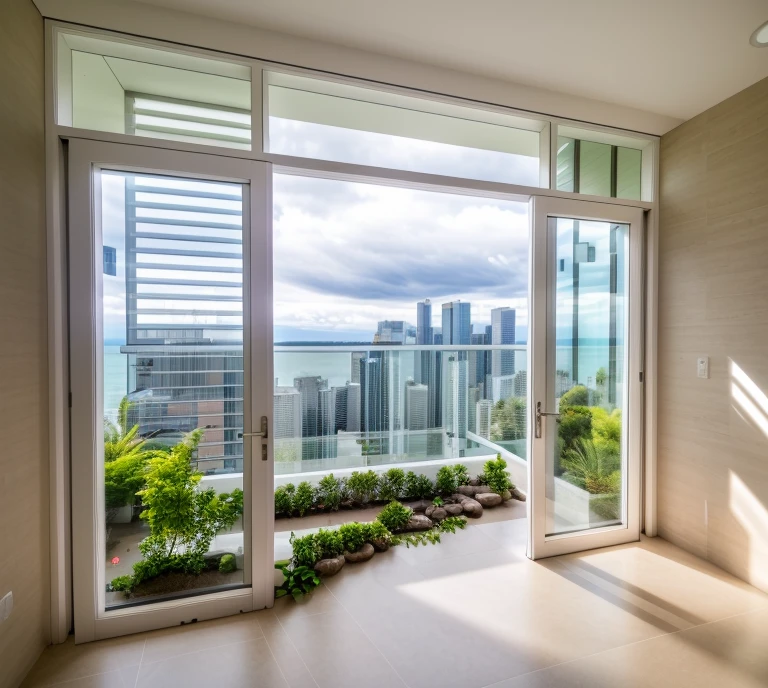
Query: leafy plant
(461, 473)
(228, 563)
(438, 501)
(304, 498)
(509, 419)
(575, 396)
(446, 482)
(329, 542)
(122, 584)
(182, 519)
(329, 493)
(431, 537)
(353, 536)
(418, 486)
(299, 581)
(575, 424)
(377, 531)
(395, 516)
(306, 550)
(284, 499)
(594, 468)
(392, 484)
(496, 475)
(363, 486)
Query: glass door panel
(587, 389)
(170, 292)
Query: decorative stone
(419, 506)
(516, 494)
(417, 522)
(472, 508)
(330, 567)
(506, 495)
(438, 513)
(380, 544)
(453, 509)
(363, 554)
(474, 481)
(472, 490)
(213, 558)
(489, 499)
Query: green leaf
(279, 592)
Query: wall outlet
(702, 367)
(6, 607)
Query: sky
(349, 254)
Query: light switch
(702, 367)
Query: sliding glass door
(587, 385)
(170, 304)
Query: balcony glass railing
(353, 406)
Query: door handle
(539, 414)
(263, 433)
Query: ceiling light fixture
(760, 36)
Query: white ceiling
(671, 57)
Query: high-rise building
(483, 410)
(353, 406)
(502, 362)
(455, 399)
(354, 373)
(457, 323)
(309, 387)
(416, 402)
(424, 322)
(521, 383)
(287, 424)
(392, 332)
(374, 397)
(474, 394)
(326, 424)
(477, 361)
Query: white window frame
(57, 135)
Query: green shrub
(418, 486)
(352, 536)
(329, 542)
(304, 498)
(122, 584)
(461, 473)
(496, 475)
(363, 486)
(228, 563)
(284, 499)
(392, 484)
(445, 482)
(329, 493)
(306, 551)
(575, 425)
(606, 506)
(394, 516)
(299, 580)
(595, 468)
(376, 530)
(438, 501)
(575, 396)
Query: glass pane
(173, 385)
(318, 119)
(400, 340)
(585, 475)
(129, 89)
(598, 169)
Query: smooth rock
(428, 511)
(330, 567)
(506, 495)
(453, 509)
(438, 513)
(380, 544)
(420, 505)
(516, 494)
(417, 522)
(474, 481)
(473, 490)
(363, 554)
(489, 499)
(472, 508)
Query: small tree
(183, 520)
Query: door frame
(540, 545)
(86, 157)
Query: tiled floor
(468, 613)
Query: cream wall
(24, 561)
(713, 267)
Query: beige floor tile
(181, 640)
(338, 654)
(238, 665)
(463, 542)
(320, 601)
(68, 661)
(287, 656)
(121, 678)
(723, 654)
